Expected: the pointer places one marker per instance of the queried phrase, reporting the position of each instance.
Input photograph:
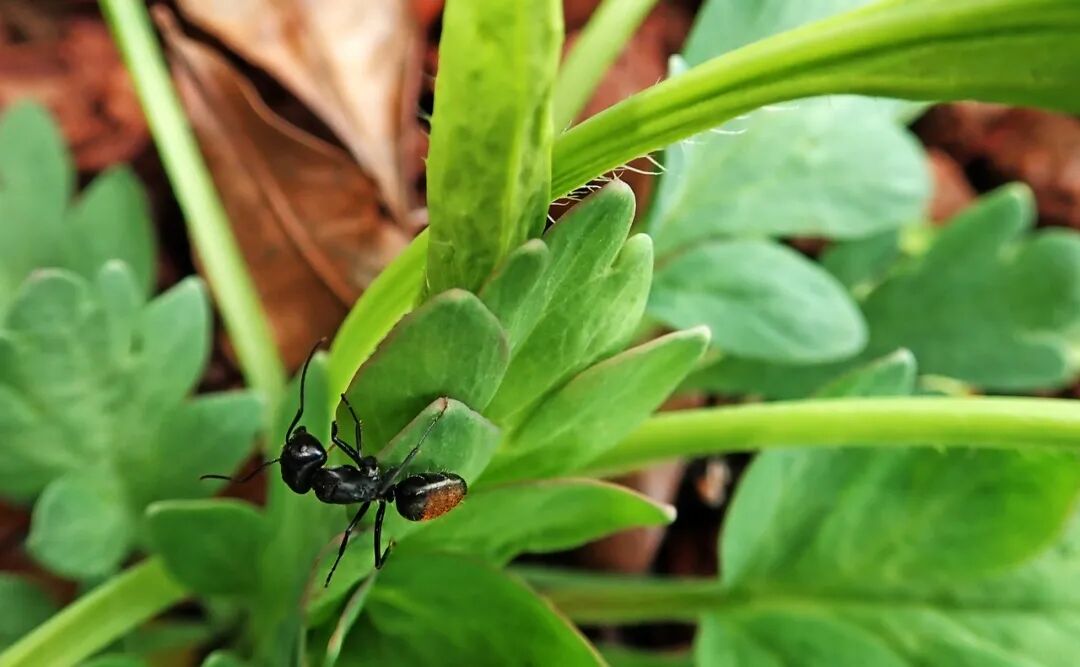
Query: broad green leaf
(538, 517)
(1012, 51)
(985, 267)
(210, 546)
(837, 168)
(761, 300)
(298, 527)
(223, 659)
(861, 264)
(111, 220)
(598, 407)
(23, 606)
(591, 301)
(783, 639)
(720, 26)
(38, 229)
(451, 346)
(987, 303)
(461, 441)
(489, 164)
(889, 376)
(877, 553)
(92, 385)
(349, 615)
(509, 293)
(414, 616)
(81, 527)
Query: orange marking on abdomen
(442, 500)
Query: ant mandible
(303, 459)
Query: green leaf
(111, 220)
(39, 230)
(414, 617)
(209, 545)
(461, 441)
(862, 264)
(23, 606)
(869, 557)
(489, 164)
(451, 346)
(115, 660)
(223, 659)
(837, 168)
(81, 527)
(561, 514)
(891, 375)
(793, 311)
(598, 408)
(1012, 51)
(1023, 291)
(621, 656)
(509, 293)
(590, 304)
(92, 382)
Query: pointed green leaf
(598, 408)
(791, 310)
(23, 606)
(509, 295)
(175, 331)
(489, 163)
(592, 300)
(451, 346)
(414, 617)
(210, 546)
(562, 514)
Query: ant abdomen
(429, 495)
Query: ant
(420, 497)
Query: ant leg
(356, 423)
(303, 381)
(395, 472)
(353, 454)
(380, 555)
(345, 539)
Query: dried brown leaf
(355, 64)
(305, 214)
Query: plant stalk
(193, 186)
(1013, 423)
(98, 618)
(598, 46)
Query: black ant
(418, 498)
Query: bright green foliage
(452, 346)
(598, 407)
(989, 303)
(22, 607)
(896, 557)
(489, 164)
(223, 659)
(40, 228)
(207, 544)
(506, 622)
(561, 514)
(92, 412)
(510, 293)
(1013, 51)
(761, 300)
(116, 660)
(588, 306)
(620, 656)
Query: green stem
(1014, 51)
(861, 422)
(207, 221)
(597, 47)
(606, 598)
(389, 297)
(97, 619)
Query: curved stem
(861, 422)
(597, 47)
(206, 220)
(98, 618)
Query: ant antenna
(303, 382)
(246, 477)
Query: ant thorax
(345, 485)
